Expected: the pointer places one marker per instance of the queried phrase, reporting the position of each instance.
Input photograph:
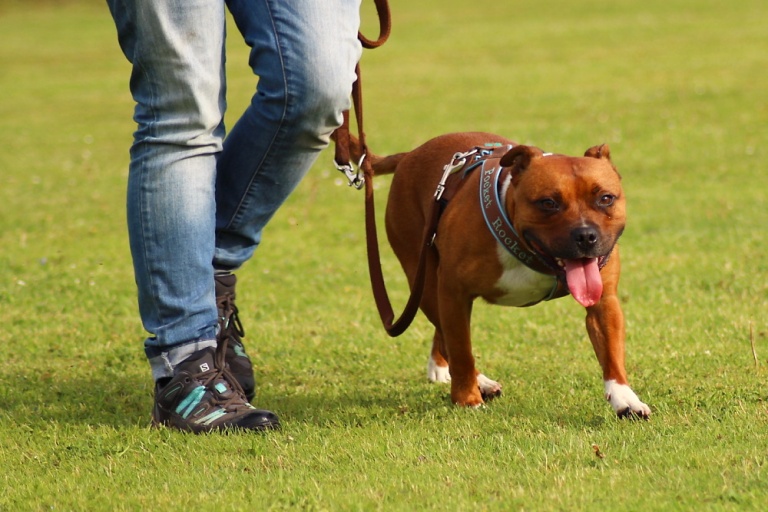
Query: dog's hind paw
(488, 388)
(624, 401)
(437, 373)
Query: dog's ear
(519, 157)
(601, 151)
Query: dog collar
(505, 233)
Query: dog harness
(486, 159)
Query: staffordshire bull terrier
(518, 226)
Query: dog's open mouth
(581, 274)
(584, 280)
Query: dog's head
(568, 209)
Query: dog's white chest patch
(518, 284)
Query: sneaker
(231, 333)
(202, 396)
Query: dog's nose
(586, 237)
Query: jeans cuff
(164, 362)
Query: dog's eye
(548, 204)
(606, 200)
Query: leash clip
(354, 176)
(457, 162)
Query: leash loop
(385, 26)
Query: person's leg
(305, 58)
(176, 48)
(304, 54)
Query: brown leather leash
(342, 159)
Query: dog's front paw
(437, 373)
(624, 401)
(488, 388)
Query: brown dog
(564, 216)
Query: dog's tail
(380, 164)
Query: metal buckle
(354, 176)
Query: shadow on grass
(96, 399)
(358, 407)
(112, 398)
(430, 403)
(124, 399)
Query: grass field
(678, 88)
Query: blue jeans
(198, 201)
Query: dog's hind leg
(437, 367)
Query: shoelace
(230, 319)
(220, 371)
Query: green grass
(676, 87)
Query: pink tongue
(584, 281)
